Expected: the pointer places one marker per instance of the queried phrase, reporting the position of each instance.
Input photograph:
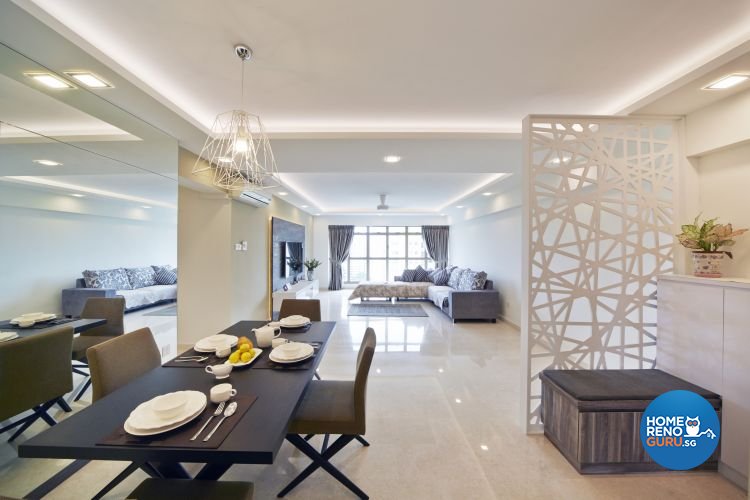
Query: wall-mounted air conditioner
(252, 198)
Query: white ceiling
(477, 65)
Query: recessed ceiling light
(283, 193)
(440, 370)
(48, 163)
(458, 400)
(392, 159)
(146, 207)
(225, 159)
(88, 79)
(377, 370)
(303, 206)
(459, 206)
(50, 80)
(317, 214)
(727, 81)
(77, 195)
(486, 193)
(442, 215)
(484, 447)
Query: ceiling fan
(382, 205)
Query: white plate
(152, 432)
(303, 351)
(288, 361)
(294, 321)
(35, 317)
(143, 418)
(240, 365)
(202, 346)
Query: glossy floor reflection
(443, 421)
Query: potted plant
(311, 264)
(706, 241)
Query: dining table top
(255, 439)
(79, 325)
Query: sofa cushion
(165, 275)
(107, 278)
(439, 295)
(472, 280)
(455, 277)
(148, 295)
(440, 277)
(408, 275)
(421, 275)
(140, 277)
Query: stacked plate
(291, 352)
(165, 413)
(29, 319)
(210, 344)
(295, 321)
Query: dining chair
(192, 489)
(333, 407)
(309, 308)
(35, 374)
(113, 310)
(115, 363)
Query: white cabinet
(703, 336)
(300, 290)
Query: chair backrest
(112, 309)
(364, 361)
(34, 370)
(117, 362)
(309, 308)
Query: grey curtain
(339, 242)
(436, 241)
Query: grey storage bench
(593, 416)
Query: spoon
(227, 413)
(216, 414)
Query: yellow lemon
(246, 356)
(244, 347)
(234, 357)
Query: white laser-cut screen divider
(599, 221)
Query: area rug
(166, 311)
(405, 310)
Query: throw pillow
(472, 280)
(455, 277)
(433, 273)
(107, 278)
(141, 277)
(165, 275)
(408, 275)
(440, 277)
(421, 275)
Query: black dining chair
(333, 407)
(310, 308)
(35, 374)
(192, 489)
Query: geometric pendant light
(237, 149)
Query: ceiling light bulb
(727, 82)
(458, 400)
(484, 447)
(88, 79)
(392, 159)
(50, 80)
(283, 193)
(304, 206)
(487, 194)
(77, 195)
(146, 207)
(241, 145)
(48, 163)
(459, 206)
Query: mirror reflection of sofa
(140, 287)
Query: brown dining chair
(333, 407)
(116, 363)
(35, 374)
(310, 308)
(192, 489)
(113, 310)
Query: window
(378, 253)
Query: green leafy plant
(708, 236)
(311, 264)
(294, 264)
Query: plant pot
(707, 264)
(310, 275)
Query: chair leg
(64, 406)
(317, 375)
(127, 471)
(39, 412)
(321, 461)
(309, 437)
(83, 390)
(26, 423)
(362, 440)
(42, 412)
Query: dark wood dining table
(255, 439)
(79, 325)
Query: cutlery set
(188, 359)
(228, 412)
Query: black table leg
(212, 472)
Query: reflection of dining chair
(192, 489)
(310, 308)
(333, 407)
(34, 375)
(113, 310)
(115, 363)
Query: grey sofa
(465, 304)
(73, 299)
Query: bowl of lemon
(244, 354)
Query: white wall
(320, 233)
(722, 124)
(44, 251)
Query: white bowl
(215, 339)
(25, 323)
(33, 315)
(169, 405)
(288, 350)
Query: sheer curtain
(339, 242)
(436, 241)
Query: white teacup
(219, 371)
(265, 335)
(224, 350)
(278, 341)
(222, 392)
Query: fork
(197, 359)
(219, 411)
